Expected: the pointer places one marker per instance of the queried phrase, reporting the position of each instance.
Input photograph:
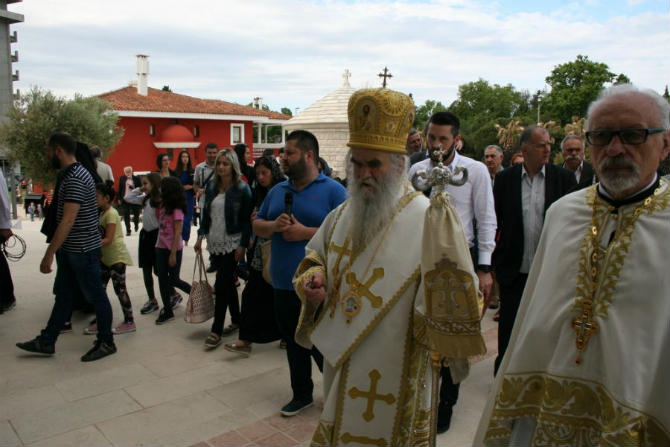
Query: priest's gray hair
(624, 89)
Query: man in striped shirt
(76, 245)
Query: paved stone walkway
(161, 388)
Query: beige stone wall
(333, 147)
(332, 144)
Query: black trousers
(225, 291)
(6, 284)
(449, 389)
(127, 210)
(287, 310)
(510, 297)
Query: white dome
(332, 108)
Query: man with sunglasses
(590, 347)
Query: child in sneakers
(148, 196)
(169, 245)
(115, 256)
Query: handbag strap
(203, 270)
(198, 255)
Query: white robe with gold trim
(373, 330)
(620, 392)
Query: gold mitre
(380, 119)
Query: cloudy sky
(293, 52)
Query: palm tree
(576, 127)
(554, 129)
(508, 135)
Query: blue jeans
(168, 277)
(82, 270)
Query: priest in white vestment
(386, 282)
(589, 355)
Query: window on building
(196, 131)
(236, 133)
(152, 130)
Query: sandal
(239, 348)
(212, 341)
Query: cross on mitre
(385, 75)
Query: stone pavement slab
(161, 388)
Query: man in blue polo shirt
(291, 213)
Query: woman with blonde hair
(226, 224)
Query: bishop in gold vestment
(589, 355)
(387, 282)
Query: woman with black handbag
(225, 222)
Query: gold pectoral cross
(371, 395)
(352, 300)
(341, 252)
(585, 326)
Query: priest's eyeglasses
(603, 137)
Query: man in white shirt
(474, 204)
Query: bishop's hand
(314, 288)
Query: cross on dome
(345, 76)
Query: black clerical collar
(649, 190)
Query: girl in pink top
(169, 244)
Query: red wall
(137, 149)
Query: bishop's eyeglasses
(603, 137)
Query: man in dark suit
(522, 194)
(128, 182)
(572, 148)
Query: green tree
(425, 111)
(264, 107)
(286, 111)
(621, 79)
(38, 113)
(574, 85)
(480, 106)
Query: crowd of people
(384, 283)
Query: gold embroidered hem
(323, 434)
(570, 412)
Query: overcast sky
(292, 52)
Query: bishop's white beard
(615, 183)
(372, 211)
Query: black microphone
(288, 203)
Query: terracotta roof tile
(127, 99)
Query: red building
(158, 121)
